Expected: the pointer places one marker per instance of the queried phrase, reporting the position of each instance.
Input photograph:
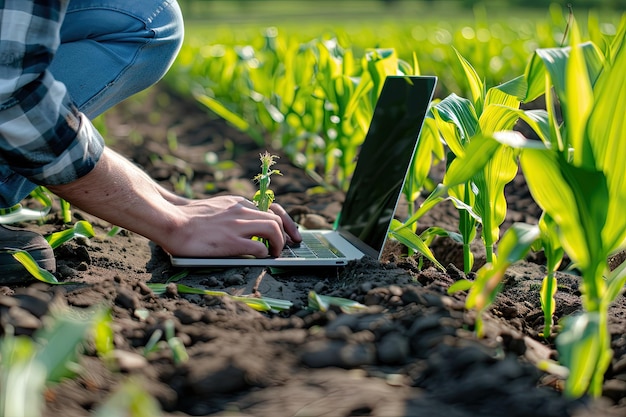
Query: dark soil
(412, 352)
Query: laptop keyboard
(312, 246)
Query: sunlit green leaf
(476, 85)
(460, 285)
(457, 121)
(324, 302)
(22, 379)
(579, 350)
(606, 135)
(553, 192)
(34, 269)
(82, 228)
(408, 238)
(578, 103)
(478, 153)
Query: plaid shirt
(43, 136)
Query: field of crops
(312, 96)
(301, 79)
(276, 79)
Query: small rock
(129, 361)
(393, 349)
(23, 319)
(126, 299)
(614, 389)
(234, 279)
(314, 221)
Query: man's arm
(219, 226)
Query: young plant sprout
(264, 197)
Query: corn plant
(550, 243)
(577, 178)
(478, 168)
(264, 197)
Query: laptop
(375, 188)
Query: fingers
(269, 228)
(289, 226)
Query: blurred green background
(268, 11)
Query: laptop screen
(384, 158)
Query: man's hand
(118, 192)
(224, 226)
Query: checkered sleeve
(43, 136)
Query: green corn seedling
(264, 197)
(550, 243)
(577, 177)
(478, 168)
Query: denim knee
(112, 49)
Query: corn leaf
(223, 112)
(460, 285)
(380, 63)
(490, 202)
(548, 304)
(579, 349)
(408, 238)
(34, 269)
(476, 85)
(22, 379)
(618, 41)
(324, 302)
(572, 196)
(477, 154)
(550, 241)
(539, 121)
(178, 276)
(82, 228)
(616, 281)
(103, 333)
(432, 232)
(577, 104)
(179, 352)
(606, 131)
(552, 62)
(457, 122)
(259, 304)
(497, 117)
(435, 197)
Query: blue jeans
(110, 50)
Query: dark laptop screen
(384, 158)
